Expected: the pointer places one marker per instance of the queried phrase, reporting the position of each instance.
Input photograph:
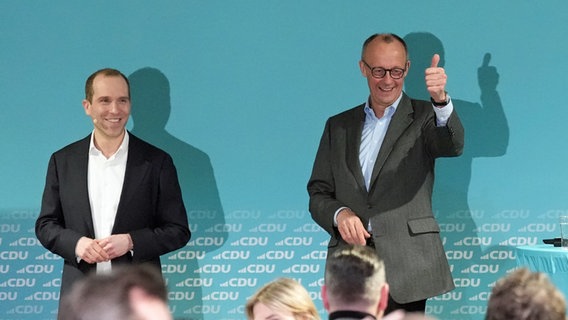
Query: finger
(102, 242)
(352, 232)
(102, 253)
(363, 234)
(346, 236)
(435, 61)
(105, 255)
(86, 257)
(349, 234)
(486, 59)
(91, 256)
(104, 245)
(361, 239)
(344, 232)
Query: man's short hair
(354, 273)
(526, 295)
(384, 37)
(107, 72)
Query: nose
(387, 78)
(114, 107)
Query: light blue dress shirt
(373, 135)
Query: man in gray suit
(373, 175)
(110, 198)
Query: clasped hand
(101, 250)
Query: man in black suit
(373, 175)
(110, 198)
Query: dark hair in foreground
(354, 273)
(106, 296)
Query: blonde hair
(526, 295)
(284, 294)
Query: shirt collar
(350, 314)
(122, 149)
(388, 112)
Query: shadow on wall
(486, 135)
(151, 107)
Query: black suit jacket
(150, 209)
(398, 204)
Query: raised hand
(436, 80)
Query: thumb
(435, 60)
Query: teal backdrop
(238, 92)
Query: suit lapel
(353, 141)
(79, 166)
(401, 119)
(136, 170)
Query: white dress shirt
(105, 180)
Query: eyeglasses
(378, 72)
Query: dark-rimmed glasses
(378, 72)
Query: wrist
(444, 102)
(344, 211)
(130, 243)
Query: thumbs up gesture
(436, 80)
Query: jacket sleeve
(448, 140)
(168, 228)
(50, 225)
(321, 186)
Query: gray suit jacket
(151, 208)
(399, 202)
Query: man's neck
(107, 145)
(379, 111)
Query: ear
(363, 68)
(384, 297)
(407, 67)
(324, 297)
(87, 106)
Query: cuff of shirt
(335, 215)
(443, 113)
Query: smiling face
(387, 55)
(109, 107)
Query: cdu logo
(13, 255)
(242, 282)
(222, 296)
(459, 255)
(271, 227)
